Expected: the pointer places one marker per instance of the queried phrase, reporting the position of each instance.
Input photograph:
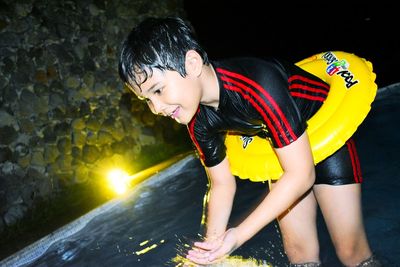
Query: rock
(14, 214)
(90, 153)
(7, 135)
(5, 154)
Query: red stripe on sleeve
(255, 95)
(260, 110)
(307, 88)
(307, 80)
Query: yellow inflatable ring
(352, 90)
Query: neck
(209, 82)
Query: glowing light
(118, 180)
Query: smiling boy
(163, 64)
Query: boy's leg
(299, 232)
(338, 192)
(341, 208)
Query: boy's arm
(220, 199)
(299, 176)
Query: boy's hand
(209, 252)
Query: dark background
(294, 31)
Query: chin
(179, 121)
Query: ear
(193, 63)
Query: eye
(157, 91)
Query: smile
(175, 113)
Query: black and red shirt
(264, 97)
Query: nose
(157, 106)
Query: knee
(351, 254)
(302, 252)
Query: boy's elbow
(225, 186)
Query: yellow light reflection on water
(148, 248)
(118, 180)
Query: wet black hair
(159, 43)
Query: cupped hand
(208, 252)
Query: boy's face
(169, 94)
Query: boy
(164, 65)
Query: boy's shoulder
(252, 66)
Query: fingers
(200, 253)
(202, 259)
(204, 253)
(206, 256)
(206, 245)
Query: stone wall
(63, 111)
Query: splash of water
(185, 244)
(231, 261)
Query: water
(155, 223)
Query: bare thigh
(341, 208)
